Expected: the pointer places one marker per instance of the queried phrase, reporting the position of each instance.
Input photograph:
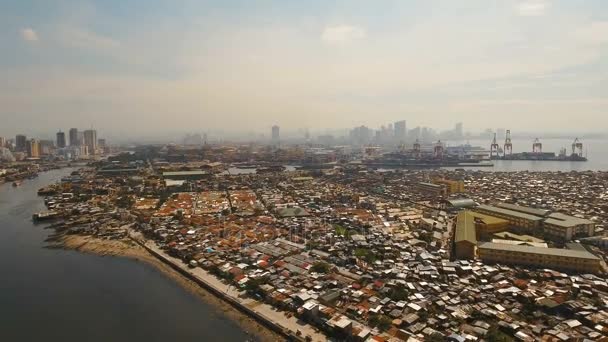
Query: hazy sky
(140, 67)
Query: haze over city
(150, 67)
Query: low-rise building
(566, 259)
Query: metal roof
(538, 250)
(509, 212)
(525, 210)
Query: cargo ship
(537, 153)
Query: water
(596, 150)
(57, 295)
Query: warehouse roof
(525, 210)
(509, 212)
(538, 250)
(564, 220)
(465, 225)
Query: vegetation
(321, 267)
(382, 322)
(365, 254)
(398, 293)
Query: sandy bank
(129, 249)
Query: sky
(149, 67)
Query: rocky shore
(129, 249)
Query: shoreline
(127, 248)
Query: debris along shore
(130, 249)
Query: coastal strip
(132, 249)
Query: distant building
(46, 147)
(458, 131)
(2, 142)
(275, 134)
(400, 131)
(74, 137)
(20, 143)
(90, 140)
(60, 139)
(33, 148)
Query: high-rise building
(60, 139)
(400, 131)
(90, 140)
(458, 132)
(2, 142)
(275, 134)
(33, 148)
(20, 143)
(74, 137)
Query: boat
(47, 190)
(45, 215)
(17, 183)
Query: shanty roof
(538, 250)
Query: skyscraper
(60, 139)
(275, 134)
(74, 137)
(20, 143)
(458, 131)
(400, 131)
(2, 142)
(33, 148)
(90, 140)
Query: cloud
(342, 34)
(28, 34)
(532, 8)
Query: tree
(320, 267)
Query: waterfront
(55, 294)
(595, 149)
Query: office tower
(101, 143)
(90, 140)
(74, 137)
(458, 133)
(2, 142)
(33, 148)
(275, 134)
(400, 131)
(60, 139)
(20, 143)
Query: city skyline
(327, 65)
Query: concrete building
(2, 142)
(400, 131)
(90, 140)
(275, 134)
(74, 137)
(567, 227)
(60, 139)
(452, 186)
(556, 226)
(20, 143)
(472, 227)
(565, 259)
(519, 219)
(33, 148)
(431, 189)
